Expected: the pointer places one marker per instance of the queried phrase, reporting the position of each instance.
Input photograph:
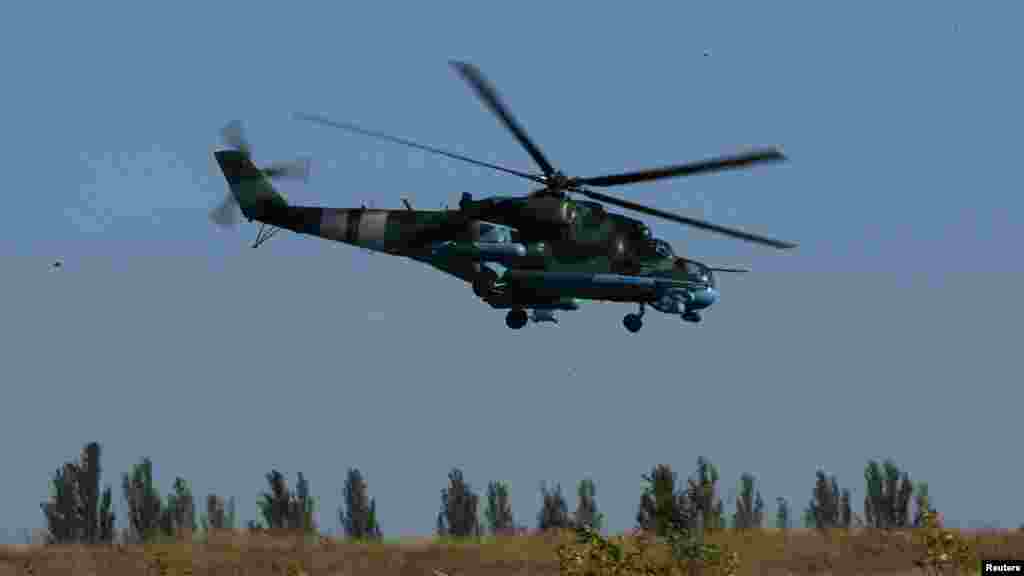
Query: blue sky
(891, 332)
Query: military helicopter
(504, 271)
(543, 252)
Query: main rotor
(555, 183)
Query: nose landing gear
(634, 322)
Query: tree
(749, 506)
(498, 512)
(808, 518)
(77, 511)
(62, 510)
(274, 505)
(281, 509)
(302, 507)
(179, 515)
(217, 515)
(845, 509)
(887, 502)
(359, 513)
(586, 506)
(782, 521)
(89, 491)
(458, 515)
(924, 504)
(702, 497)
(829, 506)
(661, 505)
(106, 517)
(554, 512)
(144, 504)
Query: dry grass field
(765, 552)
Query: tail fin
(249, 185)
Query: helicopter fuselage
(540, 252)
(523, 268)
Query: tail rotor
(226, 214)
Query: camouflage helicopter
(543, 252)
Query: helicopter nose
(703, 298)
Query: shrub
(594, 555)
(944, 551)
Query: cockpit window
(663, 249)
(696, 272)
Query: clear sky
(892, 331)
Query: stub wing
(612, 287)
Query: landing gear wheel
(516, 318)
(633, 322)
(483, 284)
(691, 317)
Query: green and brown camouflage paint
(577, 249)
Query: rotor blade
(294, 169)
(226, 213)
(353, 128)
(735, 270)
(234, 137)
(689, 169)
(486, 92)
(685, 220)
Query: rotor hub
(557, 181)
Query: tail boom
(253, 191)
(390, 231)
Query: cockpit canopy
(696, 272)
(662, 249)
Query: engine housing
(551, 211)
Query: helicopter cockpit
(696, 272)
(662, 248)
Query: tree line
(78, 511)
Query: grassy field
(764, 552)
